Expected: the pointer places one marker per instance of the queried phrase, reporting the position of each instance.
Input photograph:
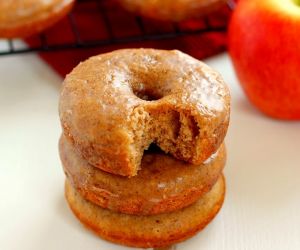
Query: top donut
(114, 105)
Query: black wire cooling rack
(104, 10)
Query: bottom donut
(147, 231)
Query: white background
(262, 207)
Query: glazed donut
(113, 106)
(147, 231)
(21, 18)
(172, 10)
(163, 184)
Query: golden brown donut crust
(172, 10)
(21, 18)
(113, 106)
(147, 231)
(163, 184)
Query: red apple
(264, 45)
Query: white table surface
(262, 207)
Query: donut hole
(147, 90)
(147, 95)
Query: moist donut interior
(173, 131)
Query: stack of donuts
(142, 145)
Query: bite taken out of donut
(114, 105)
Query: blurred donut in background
(22, 18)
(172, 10)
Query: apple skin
(264, 45)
